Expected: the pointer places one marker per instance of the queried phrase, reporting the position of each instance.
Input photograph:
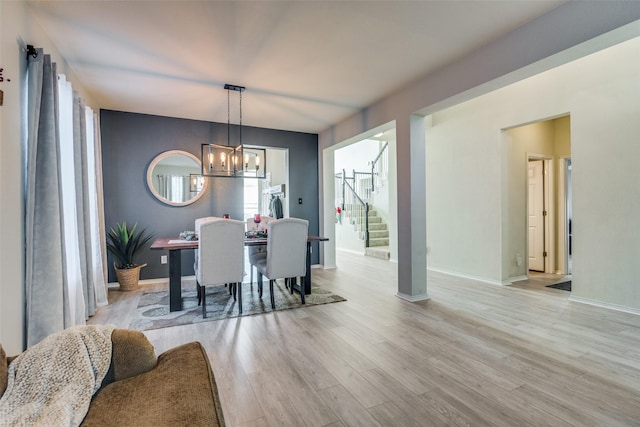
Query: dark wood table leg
(307, 277)
(175, 280)
(306, 282)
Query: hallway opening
(539, 153)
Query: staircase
(354, 194)
(378, 234)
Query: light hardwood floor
(475, 354)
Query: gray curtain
(63, 265)
(46, 290)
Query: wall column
(327, 204)
(412, 208)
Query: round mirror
(175, 178)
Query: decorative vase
(128, 277)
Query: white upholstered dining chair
(219, 257)
(286, 254)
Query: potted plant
(125, 243)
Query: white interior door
(536, 215)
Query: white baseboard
(351, 251)
(328, 267)
(189, 279)
(517, 279)
(606, 305)
(413, 298)
(469, 276)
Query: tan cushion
(181, 390)
(3, 371)
(132, 354)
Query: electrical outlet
(163, 259)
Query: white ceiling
(306, 64)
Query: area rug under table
(153, 309)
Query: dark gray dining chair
(260, 251)
(286, 254)
(220, 257)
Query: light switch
(299, 200)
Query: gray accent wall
(130, 141)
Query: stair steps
(378, 232)
(378, 242)
(381, 252)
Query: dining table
(175, 246)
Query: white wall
(463, 192)
(356, 156)
(347, 237)
(17, 26)
(606, 196)
(548, 41)
(472, 191)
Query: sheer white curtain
(73, 270)
(177, 188)
(65, 236)
(174, 188)
(96, 241)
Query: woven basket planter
(128, 277)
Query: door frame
(548, 180)
(563, 215)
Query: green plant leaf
(125, 243)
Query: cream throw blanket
(51, 383)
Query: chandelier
(233, 160)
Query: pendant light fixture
(233, 160)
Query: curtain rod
(32, 51)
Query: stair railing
(380, 167)
(339, 190)
(351, 203)
(356, 207)
(362, 184)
